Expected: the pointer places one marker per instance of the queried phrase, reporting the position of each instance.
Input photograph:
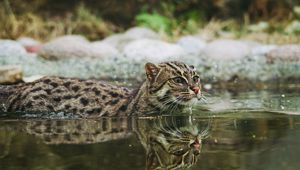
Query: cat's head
(173, 83)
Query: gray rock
(10, 74)
(224, 50)
(120, 40)
(69, 47)
(141, 32)
(105, 49)
(152, 50)
(286, 53)
(27, 41)
(31, 45)
(11, 49)
(191, 44)
(262, 50)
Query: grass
(83, 21)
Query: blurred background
(45, 19)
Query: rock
(262, 50)
(69, 47)
(118, 41)
(121, 40)
(287, 53)
(226, 50)
(77, 38)
(105, 49)
(152, 51)
(10, 74)
(31, 45)
(191, 45)
(9, 48)
(32, 78)
(141, 32)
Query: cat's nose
(195, 89)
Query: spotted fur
(170, 86)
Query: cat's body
(169, 87)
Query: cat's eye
(196, 79)
(179, 80)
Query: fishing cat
(170, 86)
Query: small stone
(31, 45)
(10, 74)
(286, 53)
(152, 51)
(225, 50)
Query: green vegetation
(262, 20)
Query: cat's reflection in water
(170, 142)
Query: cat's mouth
(190, 99)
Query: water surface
(253, 130)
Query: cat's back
(84, 97)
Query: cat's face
(173, 82)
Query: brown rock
(287, 53)
(10, 74)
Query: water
(253, 130)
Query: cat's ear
(151, 71)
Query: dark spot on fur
(113, 94)
(81, 110)
(88, 83)
(67, 97)
(98, 110)
(48, 91)
(67, 106)
(103, 97)
(97, 92)
(50, 107)
(35, 97)
(57, 91)
(41, 103)
(77, 95)
(75, 88)
(74, 110)
(47, 81)
(29, 105)
(67, 84)
(43, 96)
(84, 101)
(54, 84)
(67, 137)
(90, 111)
(57, 99)
(86, 89)
(36, 89)
(76, 134)
(123, 108)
